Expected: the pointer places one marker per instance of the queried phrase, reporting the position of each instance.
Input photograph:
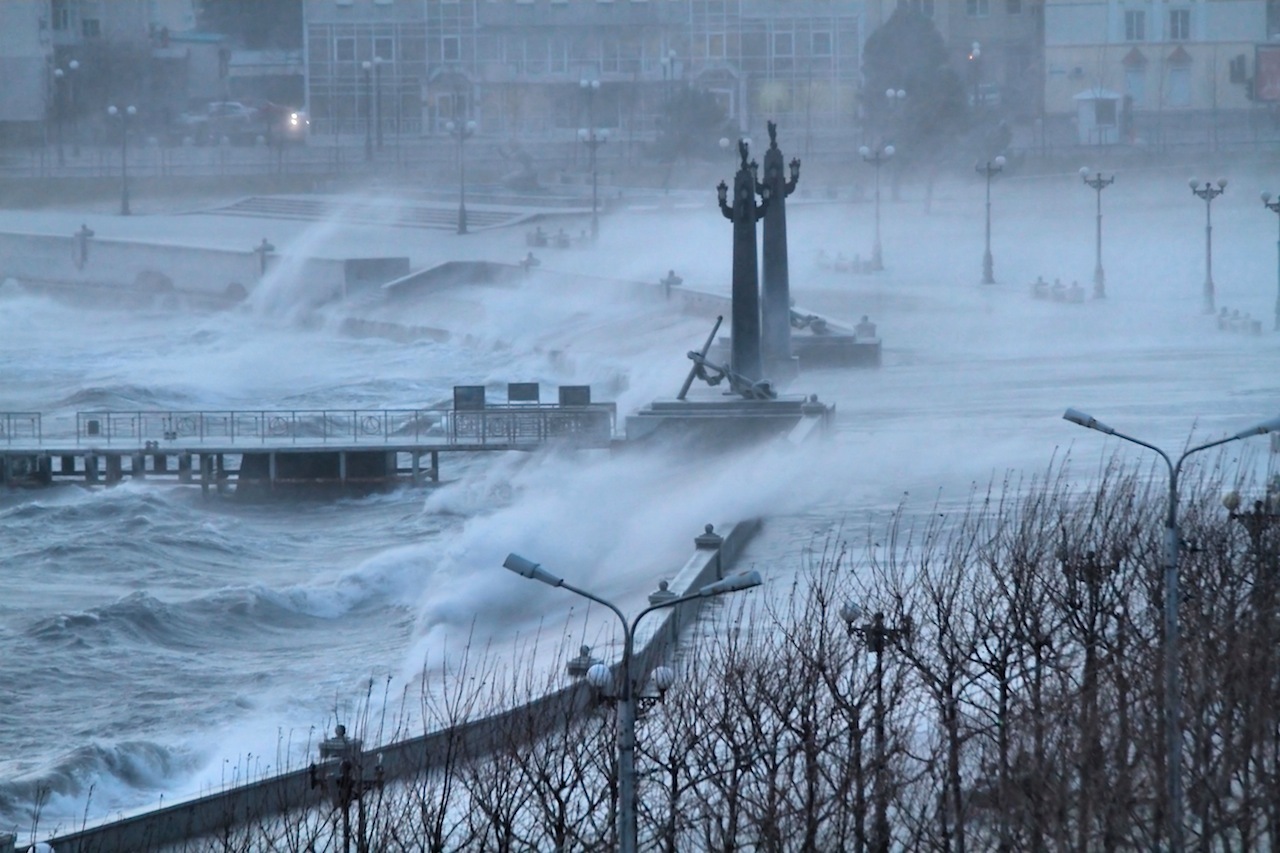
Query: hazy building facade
(518, 66)
(26, 51)
(1110, 61)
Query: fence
(323, 425)
(533, 424)
(18, 426)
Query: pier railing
(533, 423)
(512, 424)
(20, 426)
(263, 426)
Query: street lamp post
(975, 64)
(1274, 207)
(1208, 192)
(877, 637)
(628, 693)
(367, 67)
(1172, 685)
(989, 170)
(1098, 183)
(124, 114)
(377, 100)
(72, 67)
(59, 104)
(592, 140)
(881, 154)
(462, 132)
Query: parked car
(219, 120)
(281, 123)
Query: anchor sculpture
(713, 374)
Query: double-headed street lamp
(462, 131)
(628, 691)
(881, 154)
(1208, 192)
(593, 140)
(877, 636)
(989, 170)
(1098, 183)
(60, 79)
(1274, 207)
(975, 66)
(1172, 685)
(124, 114)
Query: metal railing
(20, 426)
(321, 425)
(533, 423)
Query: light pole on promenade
(881, 154)
(1098, 183)
(989, 170)
(593, 140)
(462, 131)
(124, 114)
(1208, 192)
(1172, 684)
(1274, 207)
(368, 67)
(877, 636)
(627, 694)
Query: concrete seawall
(214, 814)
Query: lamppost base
(462, 220)
(1099, 285)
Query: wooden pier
(257, 453)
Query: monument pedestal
(729, 419)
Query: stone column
(779, 364)
(743, 211)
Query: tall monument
(745, 358)
(779, 364)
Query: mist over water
(157, 643)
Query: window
(715, 45)
(61, 15)
(1013, 7)
(450, 48)
(977, 8)
(1135, 26)
(782, 44)
(924, 7)
(344, 49)
(821, 44)
(92, 28)
(384, 48)
(1179, 24)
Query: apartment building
(1107, 61)
(518, 66)
(26, 51)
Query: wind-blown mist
(158, 643)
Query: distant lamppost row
(589, 137)
(1208, 192)
(462, 132)
(124, 114)
(1172, 685)
(627, 695)
(989, 170)
(877, 637)
(1274, 207)
(1098, 183)
(377, 101)
(881, 154)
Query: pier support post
(160, 463)
(416, 467)
(184, 468)
(271, 471)
(67, 466)
(206, 473)
(138, 466)
(221, 475)
(91, 468)
(435, 466)
(114, 469)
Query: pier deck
(265, 450)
